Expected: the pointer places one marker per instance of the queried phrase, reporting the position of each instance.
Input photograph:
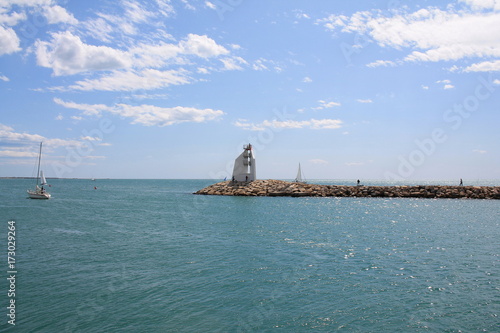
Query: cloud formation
(112, 49)
(9, 42)
(147, 115)
(429, 34)
(52, 13)
(290, 124)
(66, 54)
(146, 79)
(8, 135)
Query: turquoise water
(148, 256)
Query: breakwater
(276, 188)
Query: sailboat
(299, 178)
(39, 192)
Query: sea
(149, 256)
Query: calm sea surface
(148, 256)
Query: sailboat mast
(39, 159)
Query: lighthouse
(244, 165)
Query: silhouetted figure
(358, 182)
(461, 182)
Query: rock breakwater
(276, 188)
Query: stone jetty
(276, 188)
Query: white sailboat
(299, 178)
(39, 192)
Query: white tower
(244, 165)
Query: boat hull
(38, 195)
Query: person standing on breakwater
(358, 182)
(461, 182)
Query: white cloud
(242, 123)
(291, 124)
(258, 65)
(318, 161)
(165, 7)
(147, 79)
(57, 14)
(135, 12)
(365, 101)
(332, 22)
(479, 151)
(307, 80)
(431, 34)
(188, 5)
(263, 64)
(233, 63)
(66, 54)
(202, 70)
(326, 105)
(483, 4)
(4, 78)
(447, 84)
(202, 46)
(132, 69)
(11, 18)
(486, 66)
(9, 42)
(379, 63)
(25, 3)
(354, 163)
(148, 115)
(16, 153)
(99, 29)
(210, 5)
(330, 104)
(9, 135)
(88, 109)
(12, 12)
(162, 54)
(90, 138)
(146, 96)
(127, 22)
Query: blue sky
(175, 88)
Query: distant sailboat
(39, 192)
(299, 178)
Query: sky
(388, 90)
